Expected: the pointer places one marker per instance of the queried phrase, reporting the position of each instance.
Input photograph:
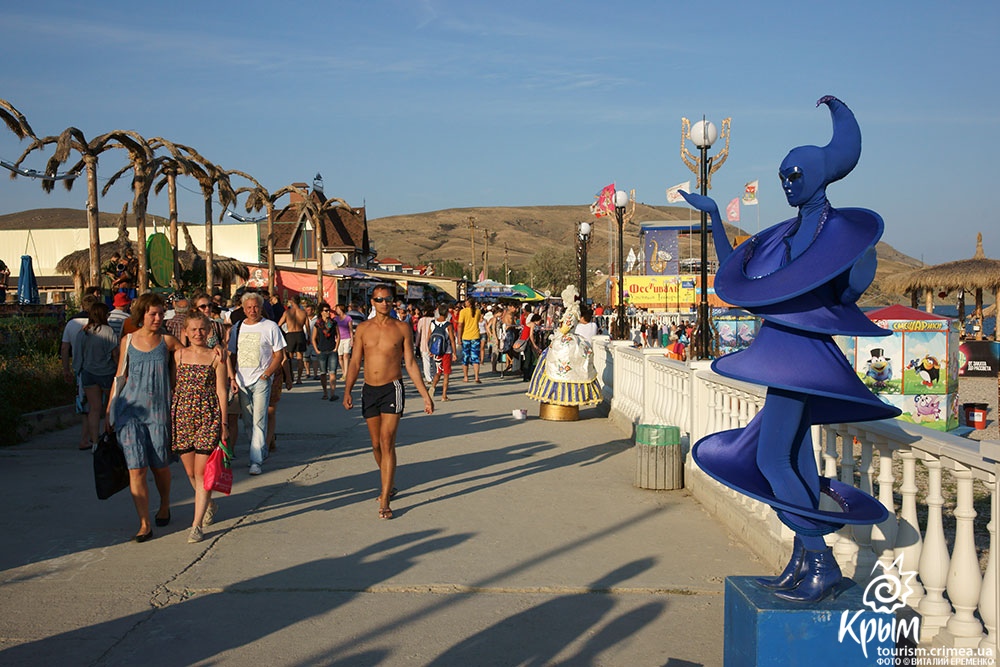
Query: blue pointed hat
(757, 272)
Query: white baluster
(745, 411)
(865, 560)
(846, 549)
(883, 535)
(988, 598)
(964, 580)
(934, 559)
(908, 539)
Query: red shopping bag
(218, 471)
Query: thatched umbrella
(190, 259)
(977, 273)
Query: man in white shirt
(256, 353)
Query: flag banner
(605, 204)
(674, 194)
(750, 193)
(733, 210)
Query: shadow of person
(189, 627)
(536, 635)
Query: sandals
(385, 512)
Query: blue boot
(792, 573)
(819, 577)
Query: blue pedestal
(761, 629)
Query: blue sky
(419, 106)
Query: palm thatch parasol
(977, 273)
(191, 260)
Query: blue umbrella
(27, 287)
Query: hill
(519, 232)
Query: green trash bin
(659, 462)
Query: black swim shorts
(295, 341)
(384, 399)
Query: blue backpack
(439, 343)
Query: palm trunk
(172, 198)
(270, 249)
(93, 222)
(209, 269)
(139, 208)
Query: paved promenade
(514, 542)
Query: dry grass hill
(522, 230)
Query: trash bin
(975, 414)
(659, 461)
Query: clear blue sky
(424, 105)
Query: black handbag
(110, 469)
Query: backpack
(439, 343)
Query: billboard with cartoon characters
(735, 329)
(915, 368)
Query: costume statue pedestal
(761, 629)
(559, 413)
(659, 461)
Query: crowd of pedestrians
(171, 377)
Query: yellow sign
(665, 293)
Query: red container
(975, 415)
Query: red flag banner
(605, 204)
(733, 210)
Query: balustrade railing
(915, 472)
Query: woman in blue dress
(803, 276)
(141, 412)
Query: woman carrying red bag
(196, 413)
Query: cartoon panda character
(879, 368)
(926, 408)
(928, 369)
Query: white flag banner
(674, 193)
(750, 193)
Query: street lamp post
(621, 200)
(703, 134)
(582, 241)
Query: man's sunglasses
(380, 299)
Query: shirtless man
(382, 342)
(294, 319)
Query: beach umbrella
(27, 286)
(976, 274)
(525, 293)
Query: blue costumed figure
(803, 276)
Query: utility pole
(486, 254)
(506, 270)
(472, 238)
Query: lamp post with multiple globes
(703, 134)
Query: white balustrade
(953, 597)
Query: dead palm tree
(169, 167)
(141, 164)
(15, 120)
(259, 198)
(72, 139)
(317, 211)
(211, 178)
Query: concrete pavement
(514, 542)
